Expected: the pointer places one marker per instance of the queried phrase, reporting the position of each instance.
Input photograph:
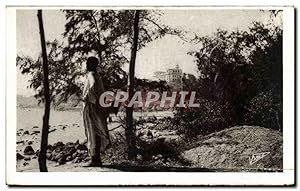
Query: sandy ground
(242, 147)
(54, 167)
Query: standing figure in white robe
(94, 117)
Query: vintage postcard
(170, 96)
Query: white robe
(94, 118)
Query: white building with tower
(172, 76)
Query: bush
(265, 110)
(209, 117)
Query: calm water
(27, 118)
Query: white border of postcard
(287, 177)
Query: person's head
(91, 64)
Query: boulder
(76, 160)
(48, 155)
(37, 152)
(27, 158)
(28, 150)
(58, 144)
(58, 156)
(74, 155)
(69, 158)
(35, 132)
(50, 148)
(19, 142)
(62, 160)
(19, 156)
(70, 151)
(81, 147)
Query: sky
(158, 55)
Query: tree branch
(163, 29)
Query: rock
(149, 134)
(26, 133)
(25, 163)
(70, 151)
(69, 158)
(48, 156)
(83, 151)
(74, 155)
(53, 154)
(85, 155)
(64, 127)
(139, 157)
(37, 152)
(35, 132)
(19, 142)
(62, 160)
(81, 147)
(50, 148)
(19, 156)
(159, 156)
(69, 145)
(28, 150)
(58, 144)
(76, 160)
(52, 130)
(59, 156)
(30, 142)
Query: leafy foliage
(236, 68)
(106, 33)
(210, 117)
(64, 76)
(264, 110)
(189, 82)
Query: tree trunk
(130, 130)
(45, 130)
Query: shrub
(265, 110)
(209, 117)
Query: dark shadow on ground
(132, 168)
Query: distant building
(172, 76)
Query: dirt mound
(239, 148)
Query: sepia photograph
(184, 91)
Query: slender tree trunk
(45, 130)
(130, 131)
